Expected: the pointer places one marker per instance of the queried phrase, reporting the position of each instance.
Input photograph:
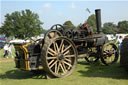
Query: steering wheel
(58, 27)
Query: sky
(57, 12)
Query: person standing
(6, 50)
(119, 41)
(10, 50)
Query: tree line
(26, 24)
(107, 28)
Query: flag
(88, 10)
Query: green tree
(69, 25)
(24, 24)
(92, 21)
(123, 26)
(110, 28)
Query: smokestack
(98, 20)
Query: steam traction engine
(58, 52)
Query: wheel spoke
(51, 53)
(51, 58)
(66, 52)
(62, 68)
(52, 50)
(61, 44)
(67, 48)
(53, 64)
(68, 60)
(50, 62)
(69, 66)
(69, 56)
(56, 68)
(62, 48)
(54, 47)
(57, 47)
(68, 63)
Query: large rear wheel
(59, 57)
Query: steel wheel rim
(61, 57)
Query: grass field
(1, 53)
(84, 74)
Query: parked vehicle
(2, 42)
(58, 52)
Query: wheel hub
(60, 57)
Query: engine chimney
(98, 20)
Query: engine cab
(28, 55)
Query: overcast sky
(57, 12)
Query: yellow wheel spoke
(54, 47)
(66, 52)
(56, 68)
(68, 60)
(52, 50)
(62, 68)
(61, 45)
(68, 63)
(62, 48)
(51, 53)
(51, 58)
(53, 64)
(57, 47)
(67, 48)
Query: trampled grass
(84, 74)
(1, 53)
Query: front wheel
(109, 54)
